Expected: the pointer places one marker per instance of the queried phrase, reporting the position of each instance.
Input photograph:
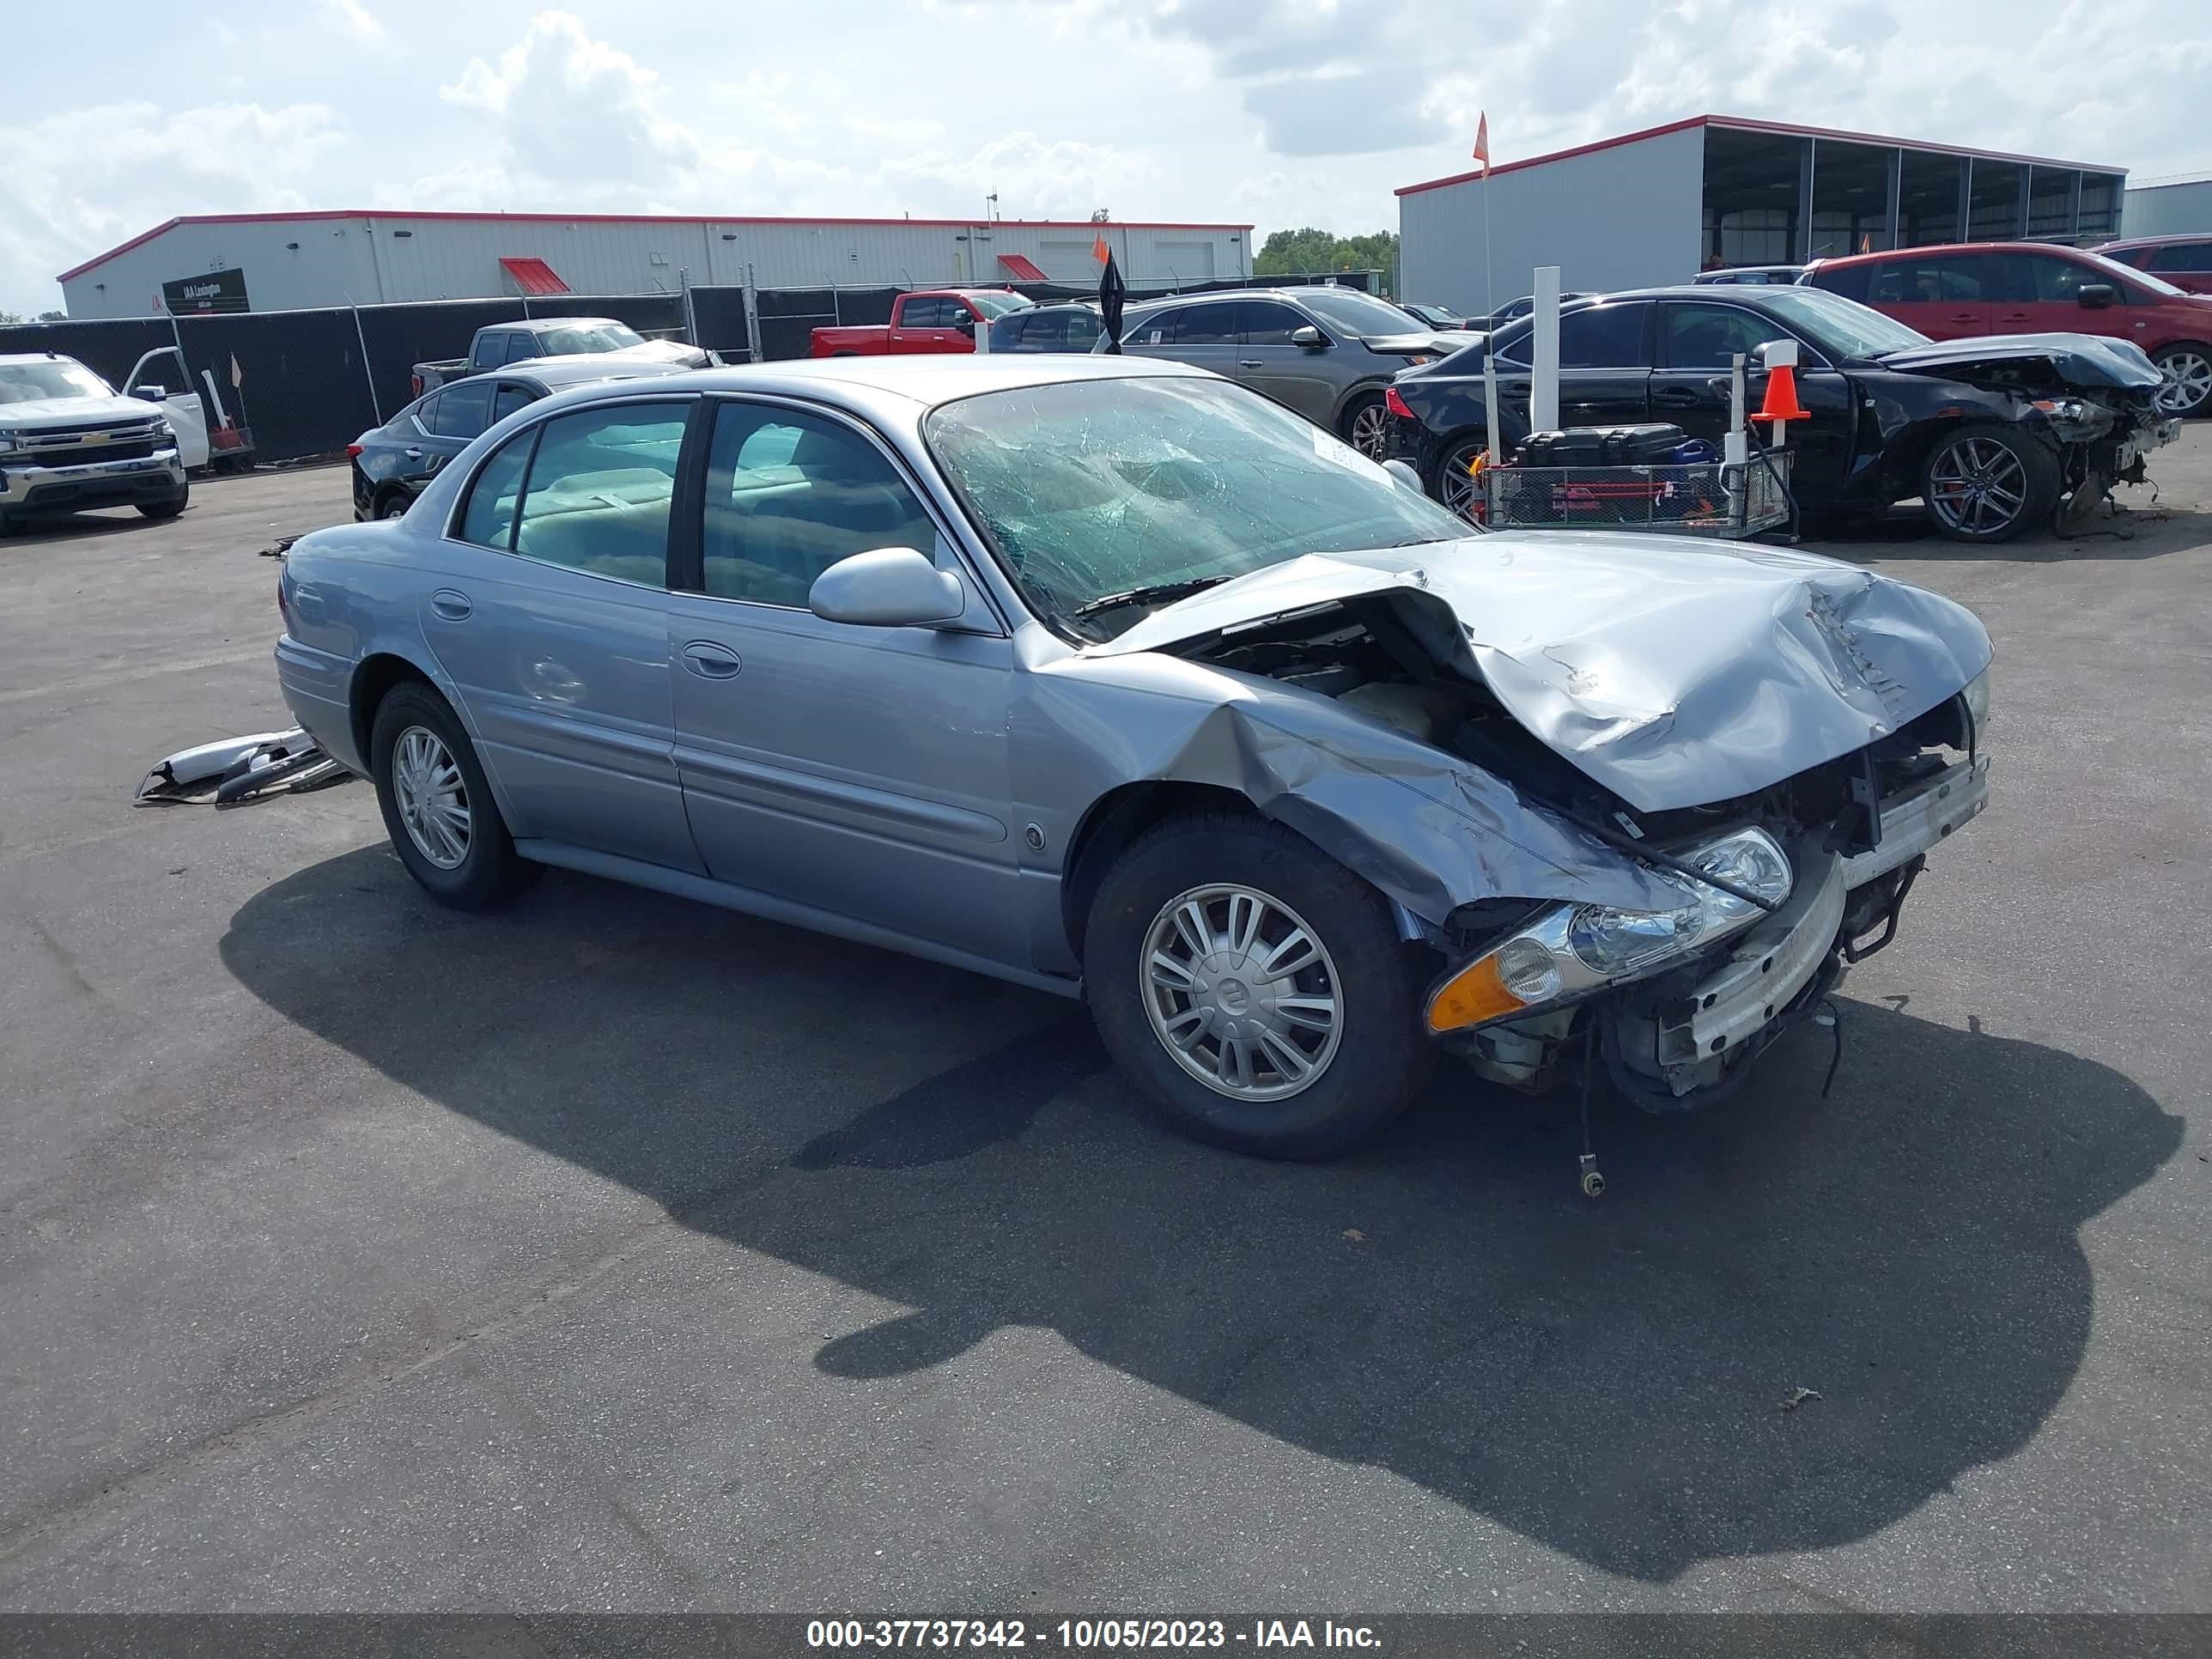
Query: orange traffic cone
(1781, 403)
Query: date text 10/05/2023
(1081, 1635)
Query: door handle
(412, 454)
(1675, 397)
(1250, 363)
(710, 661)
(1962, 316)
(453, 606)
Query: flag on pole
(1099, 250)
(1482, 141)
(1866, 242)
(237, 374)
(1110, 294)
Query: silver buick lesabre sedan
(1116, 679)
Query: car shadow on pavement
(1621, 1380)
(2138, 530)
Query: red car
(935, 320)
(1966, 289)
(2184, 261)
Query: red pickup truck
(935, 320)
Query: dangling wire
(1831, 1017)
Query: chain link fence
(306, 384)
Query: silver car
(1328, 353)
(1114, 679)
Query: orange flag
(1099, 250)
(1482, 141)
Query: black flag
(1109, 302)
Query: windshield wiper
(1155, 593)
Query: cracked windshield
(1106, 498)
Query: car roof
(579, 368)
(2156, 241)
(1942, 247)
(36, 357)
(925, 380)
(539, 325)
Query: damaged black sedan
(1995, 436)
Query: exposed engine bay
(1854, 829)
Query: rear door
(1605, 367)
(1291, 375)
(551, 618)
(1943, 294)
(1204, 334)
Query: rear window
(1590, 336)
(1852, 282)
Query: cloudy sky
(1280, 112)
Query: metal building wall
(329, 267)
(398, 260)
(1625, 216)
(2171, 209)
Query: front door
(859, 771)
(186, 411)
(551, 618)
(1303, 377)
(1699, 341)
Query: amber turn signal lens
(1471, 996)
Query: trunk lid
(1672, 673)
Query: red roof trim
(534, 275)
(624, 219)
(1742, 123)
(1023, 268)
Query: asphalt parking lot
(613, 1252)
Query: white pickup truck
(67, 441)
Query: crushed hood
(2083, 359)
(1675, 674)
(37, 412)
(1441, 342)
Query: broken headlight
(1571, 950)
(1976, 694)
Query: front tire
(1986, 483)
(1255, 989)
(2187, 366)
(168, 509)
(438, 806)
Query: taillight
(1396, 405)
(413, 386)
(282, 609)
(353, 452)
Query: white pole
(1489, 293)
(1490, 404)
(1733, 450)
(1544, 366)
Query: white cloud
(87, 179)
(356, 17)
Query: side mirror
(887, 588)
(2096, 297)
(1404, 473)
(1308, 338)
(152, 394)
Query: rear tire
(438, 806)
(392, 506)
(1454, 485)
(1348, 1016)
(1365, 425)
(1985, 484)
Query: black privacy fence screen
(305, 383)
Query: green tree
(1311, 252)
(7, 317)
(53, 316)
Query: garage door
(1185, 262)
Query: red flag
(1482, 141)
(1099, 250)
